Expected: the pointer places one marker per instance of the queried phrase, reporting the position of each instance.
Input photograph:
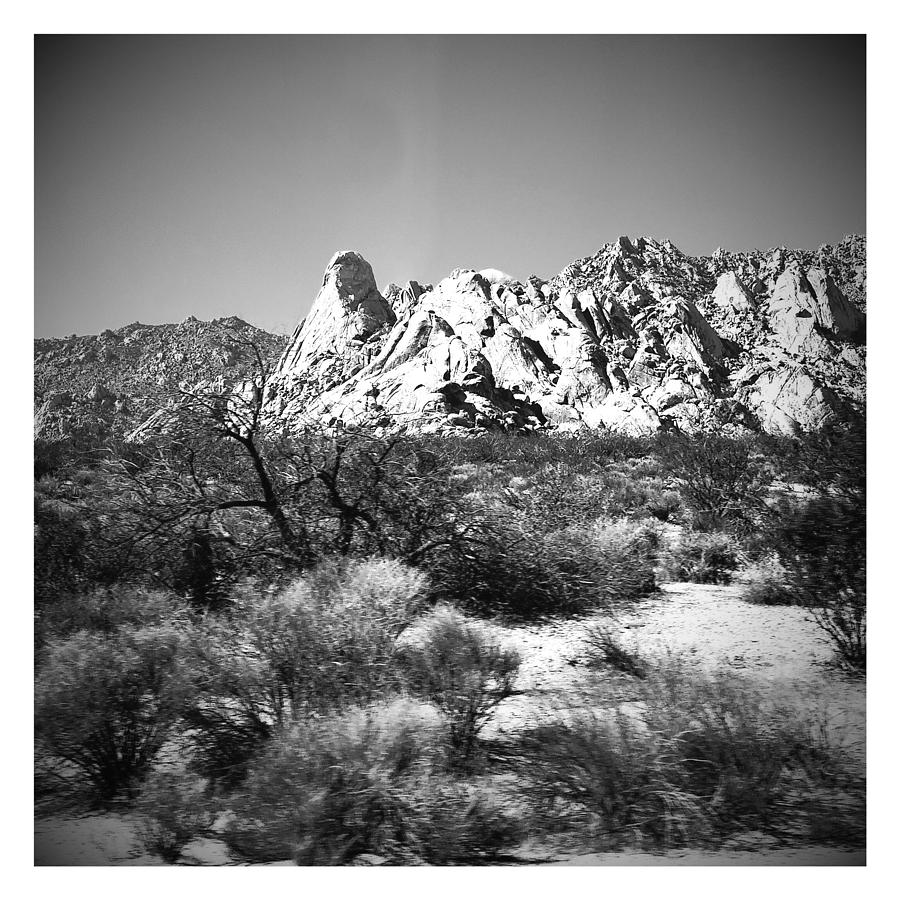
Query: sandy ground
(806, 856)
(89, 840)
(779, 648)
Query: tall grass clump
(605, 650)
(325, 642)
(740, 751)
(695, 758)
(369, 780)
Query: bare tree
(215, 471)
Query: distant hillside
(117, 378)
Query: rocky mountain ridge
(115, 380)
(637, 337)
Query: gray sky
(212, 176)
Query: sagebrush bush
(106, 703)
(622, 554)
(703, 558)
(368, 780)
(325, 642)
(174, 810)
(454, 664)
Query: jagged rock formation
(115, 380)
(636, 337)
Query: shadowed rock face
(636, 338)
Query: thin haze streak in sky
(212, 176)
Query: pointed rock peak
(348, 309)
(351, 276)
(731, 292)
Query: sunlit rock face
(637, 337)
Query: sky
(216, 176)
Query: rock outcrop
(637, 337)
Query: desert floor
(780, 648)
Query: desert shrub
(610, 780)
(823, 548)
(529, 452)
(663, 504)
(107, 609)
(526, 575)
(605, 650)
(456, 666)
(843, 619)
(619, 554)
(61, 565)
(767, 582)
(722, 480)
(837, 817)
(830, 460)
(205, 505)
(738, 749)
(49, 457)
(348, 493)
(821, 541)
(700, 557)
(400, 489)
(326, 641)
(106, 703)
(368, 780)
(556, 497)
(174, 809)
(697, 758)
(564, 492)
